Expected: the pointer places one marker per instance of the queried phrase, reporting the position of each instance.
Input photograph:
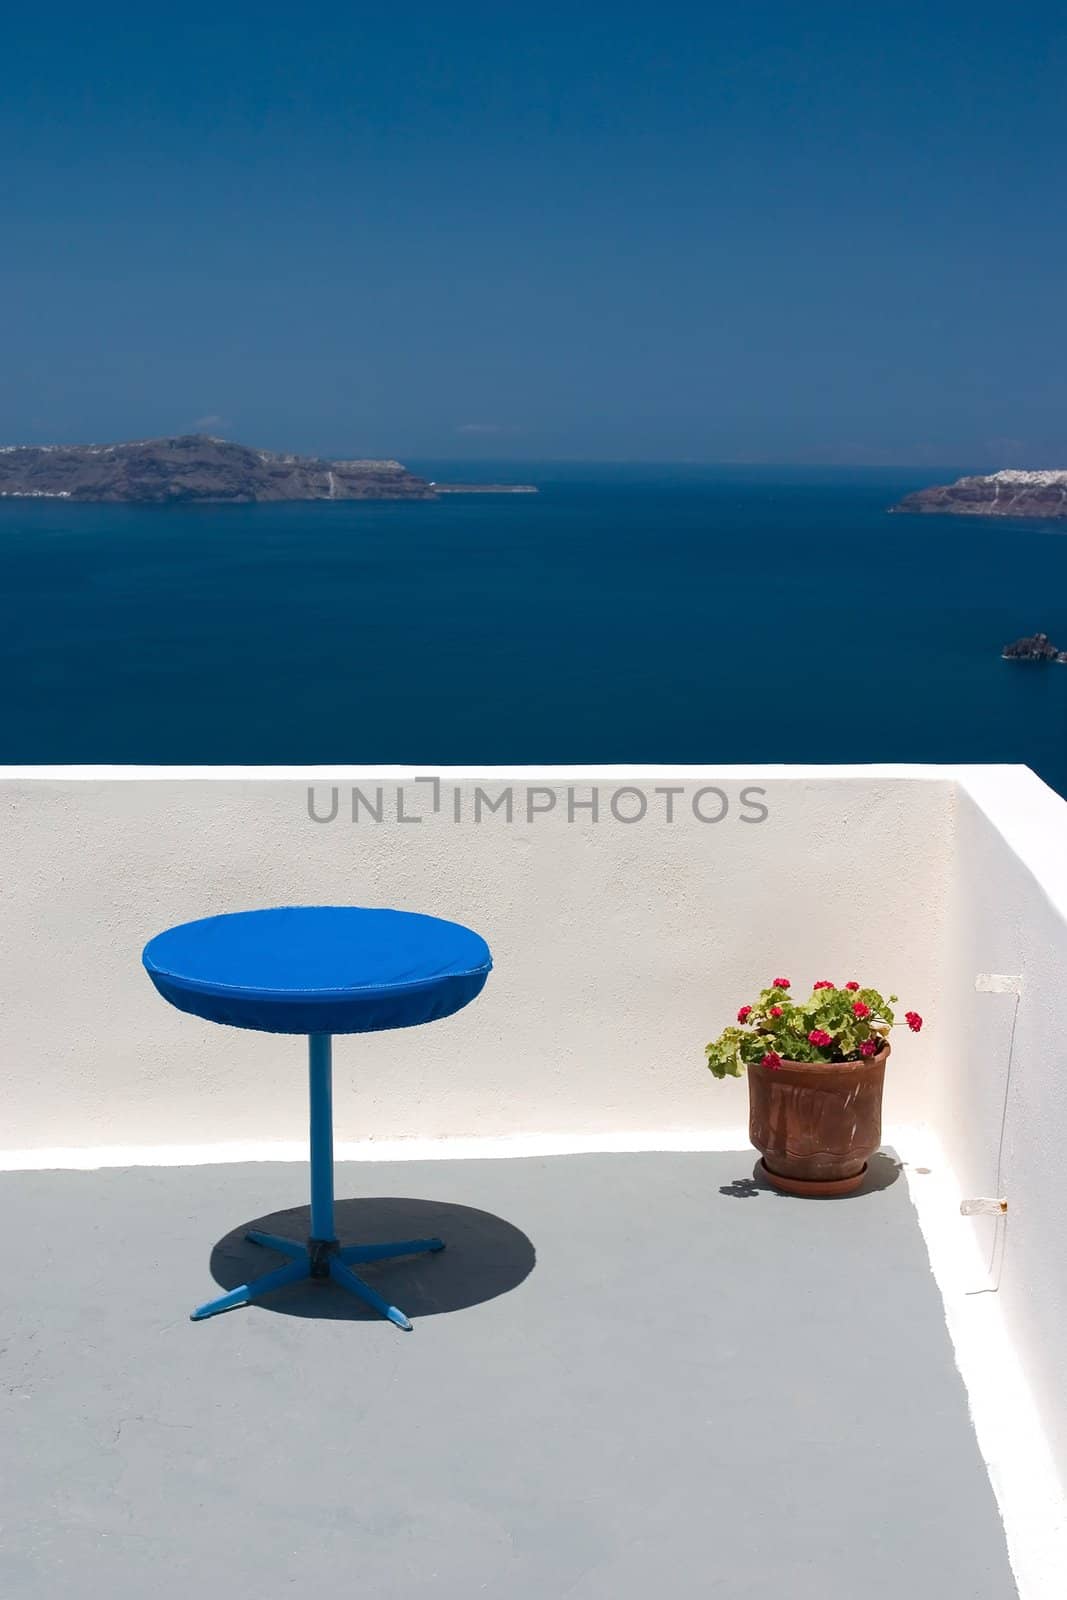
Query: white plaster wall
(1008, 915)
(619, 948)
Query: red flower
(743, 1014)
(775, 1011)
(860, 1009)
(853, 986)
(868, 1047)
(819, 1038)
(914, 1021)
(780, 983)
(823, 983)
(771, 1061)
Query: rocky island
(194, 467)
(997, 494)
(1037, 647)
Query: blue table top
(319, 969)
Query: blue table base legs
(309, 1261)
(322, 1256)
(274, 1241)
(251, 1291)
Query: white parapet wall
(999, 1099)
(623, 938)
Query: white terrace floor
(629, 1374)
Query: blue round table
(319, 970)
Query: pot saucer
(826, 1187)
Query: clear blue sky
(785, 232)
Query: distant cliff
(195, 467)
(999, 494)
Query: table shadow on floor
(485, 1256)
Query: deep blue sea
(623, 614)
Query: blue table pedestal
(323, 1256)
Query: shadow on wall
(484, 1257)
(882, 1170)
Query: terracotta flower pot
(815, 1124)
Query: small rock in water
(1035, 648)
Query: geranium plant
(832, 1025)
